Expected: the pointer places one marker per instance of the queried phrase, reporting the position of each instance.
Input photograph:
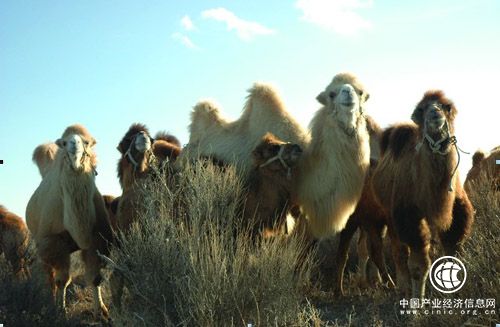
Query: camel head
(435, 115)
(135, 146)
(344, 98)
(77, 145)
(273, 156)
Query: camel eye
(332, 95)
(86, 142)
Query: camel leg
(363, 257)
(93, 277)
(415, 234)
(463, 217)
(54, 251)
(400, 253)
(342, 254)
(62, 279)
(49, 270)
(116, 284)
(377, 253)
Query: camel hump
(205, 115)
(43, 156)
(478, 157)
(263, 91)
(398, 138)
(164, 136)
(265, 97)
(206, 111)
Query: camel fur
(270, 184)
(14, 241)
(66, 213)
(484, 170)
(140, 155)
(336, 160)
(232, 142)
(417, 184)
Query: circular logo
(448, 274)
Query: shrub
(190, 260)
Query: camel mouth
(142, 143)
(436, 124)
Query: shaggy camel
(139, 153)
(14, 241)
(270, 184)
(484, 168)
(66, 213)
(335, 159)
(416, 181)
(335, 162)
(233, 142)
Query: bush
(26, 302)
(190, 260)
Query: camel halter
(128, 154)
(84, 154)
(279, 157)
(435, 147)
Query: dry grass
(189, 262)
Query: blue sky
(107, 64)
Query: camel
(335, 162)
(484, 169)
(14, 241)
(336, 152)
(270, 184)
(139, 154)
(232, 143)
(416, 182)
(66, 213)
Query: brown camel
(14, 241)
(416, 182)
(139, 154)
(270, 184)
(66, 213)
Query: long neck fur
(434, 175)
(130, 175)
(78, 189)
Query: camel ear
(322, 98)
(93, 142)
(367, 96)
(119, 148)
(61, 143)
